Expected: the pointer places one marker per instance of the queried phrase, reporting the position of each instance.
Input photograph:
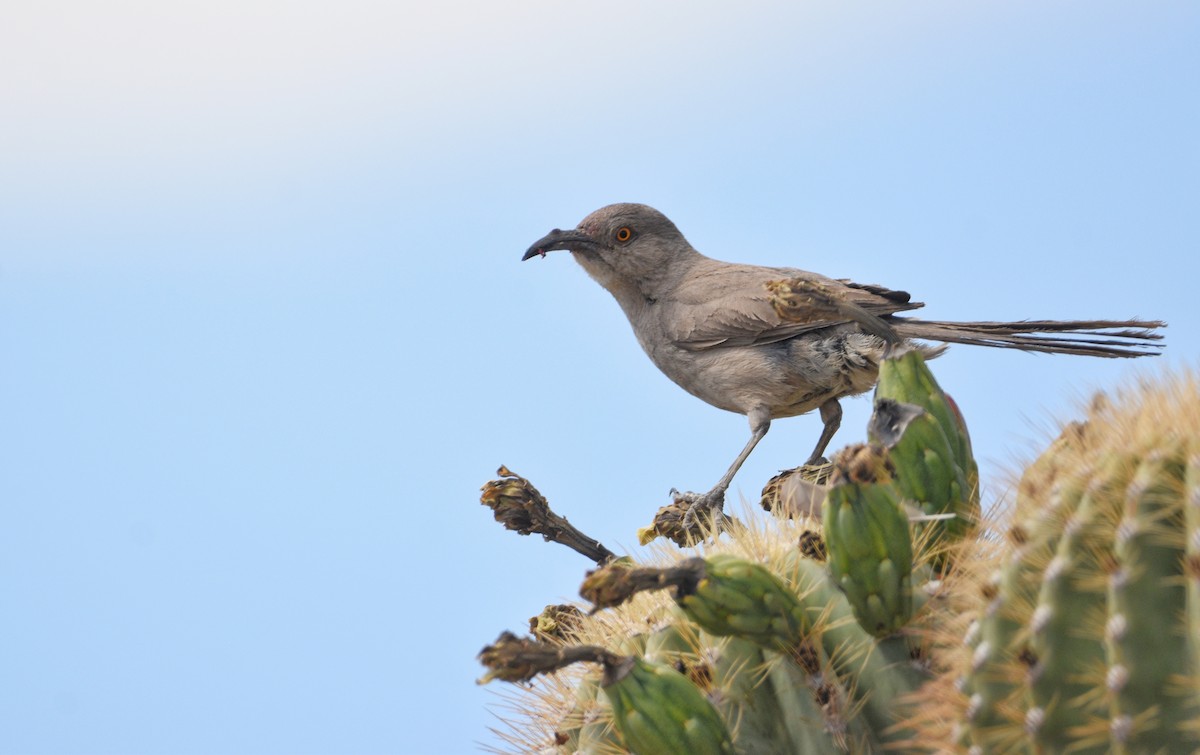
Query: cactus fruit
(868, 539)
(658, 710)
(655, 708)
(1072, 625)
(725, 595)
(931, 450)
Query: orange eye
(624, 233)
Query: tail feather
(1097, 338)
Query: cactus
(1088, 639)
(1070, 625)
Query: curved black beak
(558, 239)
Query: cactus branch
(519, 659)
(518, 505)
(614, 584)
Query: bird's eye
(623, 234)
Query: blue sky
(264, 328)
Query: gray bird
(710, 327)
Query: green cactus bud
(935, 467)
(657, 710)
(724, 594)
(905, 378)
(739, 598)
(869, 542)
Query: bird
(711, 328)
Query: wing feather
(725, 307)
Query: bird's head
(621, 245)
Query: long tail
(1095, 338)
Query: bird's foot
(702, 510)
(689, 519)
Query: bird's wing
(730, 306)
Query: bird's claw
(701, 507)
(688, 519)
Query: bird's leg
(831, 415)
(714, 500)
